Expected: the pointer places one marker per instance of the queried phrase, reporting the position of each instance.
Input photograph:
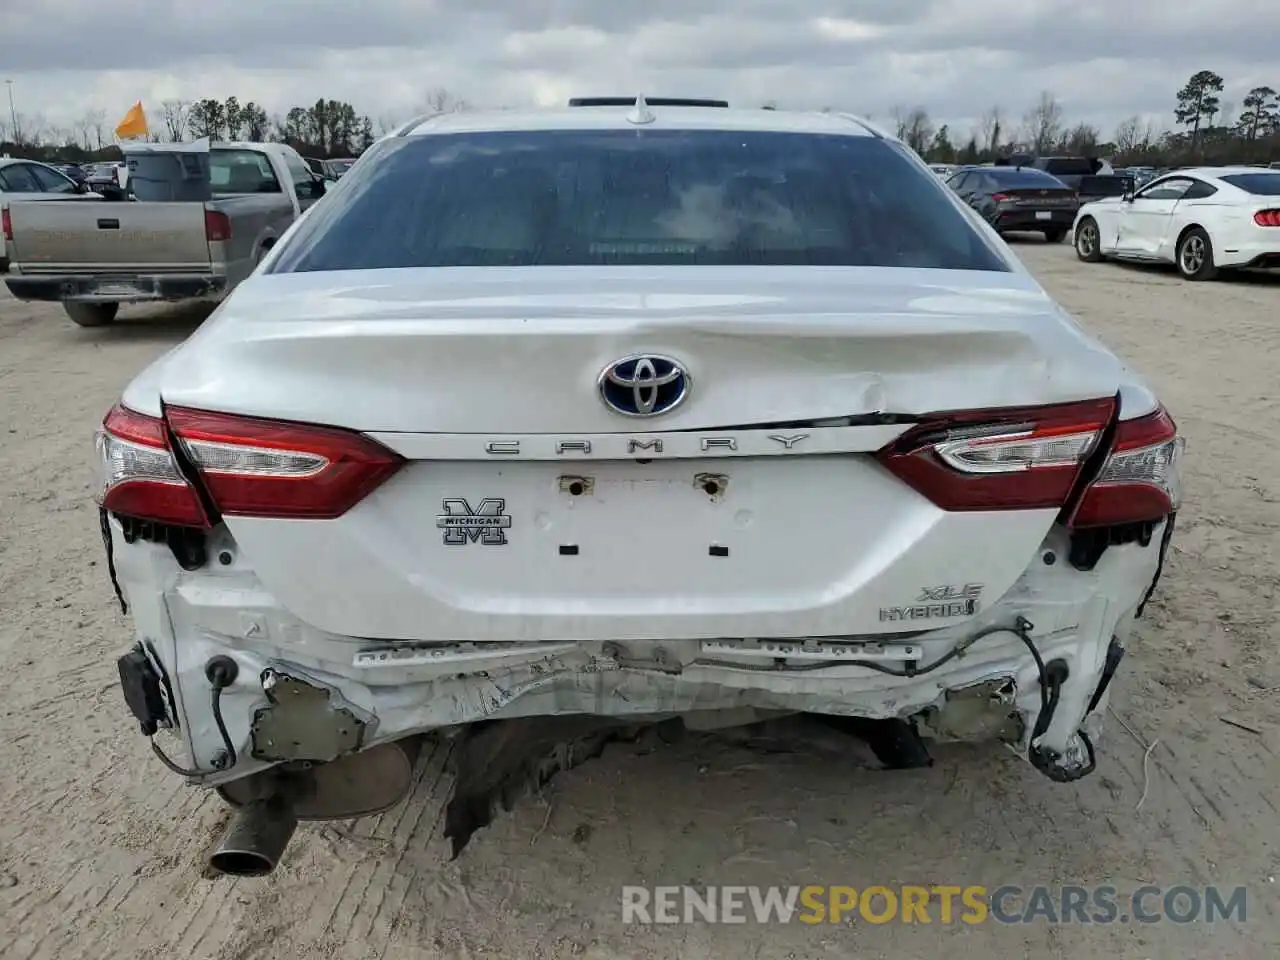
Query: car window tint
(1012, 177)
(1199, 190)
(18, 179)
(51, 181)
(1260, 184)
(1171, 188)
(241, 171)
(639, 197)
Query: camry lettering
(719, 443)
(577, 446)
(788, 442)
(655, 445)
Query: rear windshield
(1262, 184)
(234, 171)
(1021, 177)
(637, 197)
(1106, 186)
(1071, 166)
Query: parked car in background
(341, 519)
(1203, 220)
(1100, 187)
(330, 169)
(1018, 198)
(30, 180)
(107, 175)
(199, 220)
(73, 170)
(338, 167)
(943, 170)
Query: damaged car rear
(547, 427)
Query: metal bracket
(302, 722)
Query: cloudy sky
(1104, 59)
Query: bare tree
(441, 100)
(174, 114)
(1128, 135)
(991, 129)
(1044, 123)
(1082, 140)
(97, 119)
(27, 129)
(384, 124)
(914, 128)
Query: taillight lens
(1001, 197)
(1018, 459)
(217, 226)
(1267, 218)
(6, 224)
(137, 475)
(1139, 481)
(271, 468)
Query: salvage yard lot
(102, 851)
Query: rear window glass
(1262, 184)
(241, 171)
(1106, 186)
(637, 197)
(1021, 177)
(1071, 166)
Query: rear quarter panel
(257, 222)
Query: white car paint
(484, 380)
(1148, 227)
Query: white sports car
(545, 427)
(1203, 220)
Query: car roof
(664, 117)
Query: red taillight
(1267, 218)
(1139, 480)
(1012, 459)
(272, 468)
(6, 224)
(138, 476)
(1000, 197)
(217, 226)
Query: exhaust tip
(241, 863)
(256, 838)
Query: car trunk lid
(527, 509)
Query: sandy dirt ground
(102, 852)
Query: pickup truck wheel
(91, 314)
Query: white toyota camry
(578, 421)
(1204, 220)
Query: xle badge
(487, 523)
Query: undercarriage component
(356, 785)
(302, 722)
(975, 714)
(498, 761)
(896, 743)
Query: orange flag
(134, 123)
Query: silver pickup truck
(196, 220)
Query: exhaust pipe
(256, 839)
